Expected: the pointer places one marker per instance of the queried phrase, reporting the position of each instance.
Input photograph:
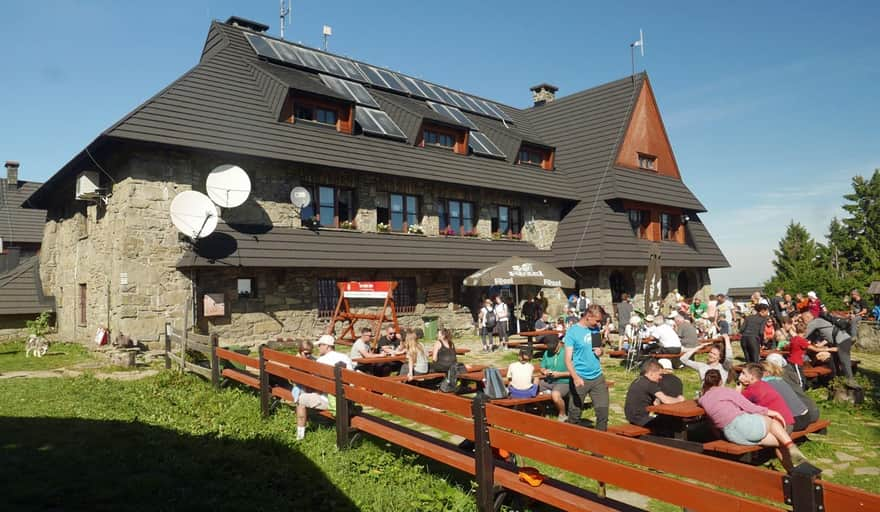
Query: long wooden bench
(726, 447)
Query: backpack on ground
(450, 382)
(489, 319)
(494, 385)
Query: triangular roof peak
(645, 146)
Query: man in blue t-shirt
(582, 361)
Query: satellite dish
(228, 186)
(300, 197)
(193, 214)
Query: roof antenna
(632, 50)
(328, 31)
(284, 15)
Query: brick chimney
(12, 175)
(543, 93)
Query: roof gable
(645, 134)
(17, 223)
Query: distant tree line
(849, 258)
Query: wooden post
(802, 490)
(167, 345)
(483, 458)
(264, 385)
(343, 410)
(215, 362)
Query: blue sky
(771, 107)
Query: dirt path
(80, 369)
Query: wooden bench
(727, 448)
(629, 430)
(813, 372)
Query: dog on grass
(36, 345)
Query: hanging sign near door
(366, 289)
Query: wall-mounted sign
(366, 289)
(214, 305)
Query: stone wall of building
(125, 250)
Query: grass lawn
(60, 355)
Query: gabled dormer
(535, 155)
(301, 107)
(441, 136)
(646, 147)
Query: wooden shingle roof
(19, 224)
(21, 291)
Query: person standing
(725, 314)
(858, 310)
(528, 313)
(542, 301)
(814, 305)
(583, 303)
(753, 333)
(777, 302)
(487, 323)
(624, 312)
(697, 308)
(582, 362)
(820, 329)
(502, 316)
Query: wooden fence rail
(687, 479)
(177, 343)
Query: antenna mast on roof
(328, 31)
(632, 50)
(285, 16)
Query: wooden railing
(178, 343)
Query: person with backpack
(582, 362)
(487, 322)
(583, 303)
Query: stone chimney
(543, 93)
(12, 175)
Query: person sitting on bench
(555, 378)
(519, 376)
(762, 393)
(646, 391)
(416, 358)
(718, 358)
(314, 400)
(746, 423)
(668, 341)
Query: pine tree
(797, 264)
(862, 228)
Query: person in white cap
(814, 304)
(315, 400)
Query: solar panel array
(453, 113)
(482, 145)
(344, 68)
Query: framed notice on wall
(214, 305)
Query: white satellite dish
(228, 186)
(300, 197)
(193, 214)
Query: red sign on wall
(366, 289)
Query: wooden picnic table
(685, 414)
(380, 360)
(530, 337)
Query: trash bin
(430, 328)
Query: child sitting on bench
(519, 376)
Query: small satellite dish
(228, 186)
(300, 197)
(193, 214)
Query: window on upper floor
(322, 112)
(640, 221)
(506, 220)
(648, 162)
(533, 155)
(402, 212)
(331, 206)
(670, 227)
(444, 137)
(457, 217)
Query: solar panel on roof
(454, 113)
(480, 144)
(331, 63)
(377, 122)
(340, 66)
(373, 76)
(261, 46)
(352, 90)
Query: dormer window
(318, 111)
(533, 155)
(647, 162)
(439, 136)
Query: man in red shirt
(761, 393)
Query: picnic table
(530, 337)
(380, 360)
(685, 416)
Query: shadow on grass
(73, 464)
